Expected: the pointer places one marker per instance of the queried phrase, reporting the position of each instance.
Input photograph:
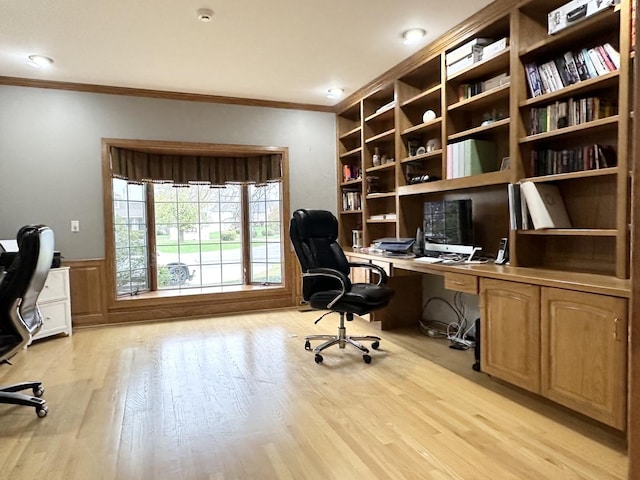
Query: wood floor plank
(238, 397)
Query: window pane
(265, 217)
(130, 235)
(232, 274)
(231, 252)
(211, 275)
(209, 212)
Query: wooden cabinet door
(510, 332)
(584, 353)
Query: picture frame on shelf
(505, 164)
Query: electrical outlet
(75, 226)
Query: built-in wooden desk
(562, 335)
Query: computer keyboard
(429, 259)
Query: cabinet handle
(616, 337)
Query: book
(479, 157)
(533, 79)
(613, 55)
(545, 204)
(515, 206)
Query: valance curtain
(137, 167)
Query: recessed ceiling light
(39, 61)
(413, 35)
(205, 15)
(335, 92)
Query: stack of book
(465, 55)
(471, 157)
(588, 157)
(351, 200)
(573, 111)
(536, 205)
(571, 68)
(468, 90)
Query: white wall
(50, 153)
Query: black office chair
(325, 279)
(20, 316)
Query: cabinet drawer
(55, 287)
(54, 318)
(461, 282)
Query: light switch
(75, 225)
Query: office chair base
(342, 339)
(9, 395)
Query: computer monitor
(448, 226)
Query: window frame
(203, 294)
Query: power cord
(457, 332)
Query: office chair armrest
(382, 275)
(345, 283)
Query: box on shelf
(463, 63)
(468, 49)
(575, 11)
(490, 50)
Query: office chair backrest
(314, 234)
(19, 314)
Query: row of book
(351, 200)
(351, 172)
(568, 113)
(470, 157)
(536, 206)
(468, 90)
(570, 68)
(588, 157)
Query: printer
(9, 250)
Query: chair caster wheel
(307, 345)
(42, 411)
(38, 391)
(375, 345)
(318, 358)
(476, 367)
(366, 358)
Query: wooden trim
(633, 439)
(161, 94)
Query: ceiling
(279, 50)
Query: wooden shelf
(351, 182)
(386, 114)
(384, 166)
(351, 153)
(373, 196)
(572, 232)
(430, 125)
(381, 220)
(474, 181)
(423, 97)
(609, 122)
(600, 172)
(351, 133)
(482, 129)
(424, 156)
(388, 135)
(602, 22)
(485, 67)
(350, 212)
(482, 99)
(603, 81)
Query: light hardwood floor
(238, 397)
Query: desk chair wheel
(38, 391)
(375, 346)
(318, 358)
(307, 345)
(366, 358)
(42, 411)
